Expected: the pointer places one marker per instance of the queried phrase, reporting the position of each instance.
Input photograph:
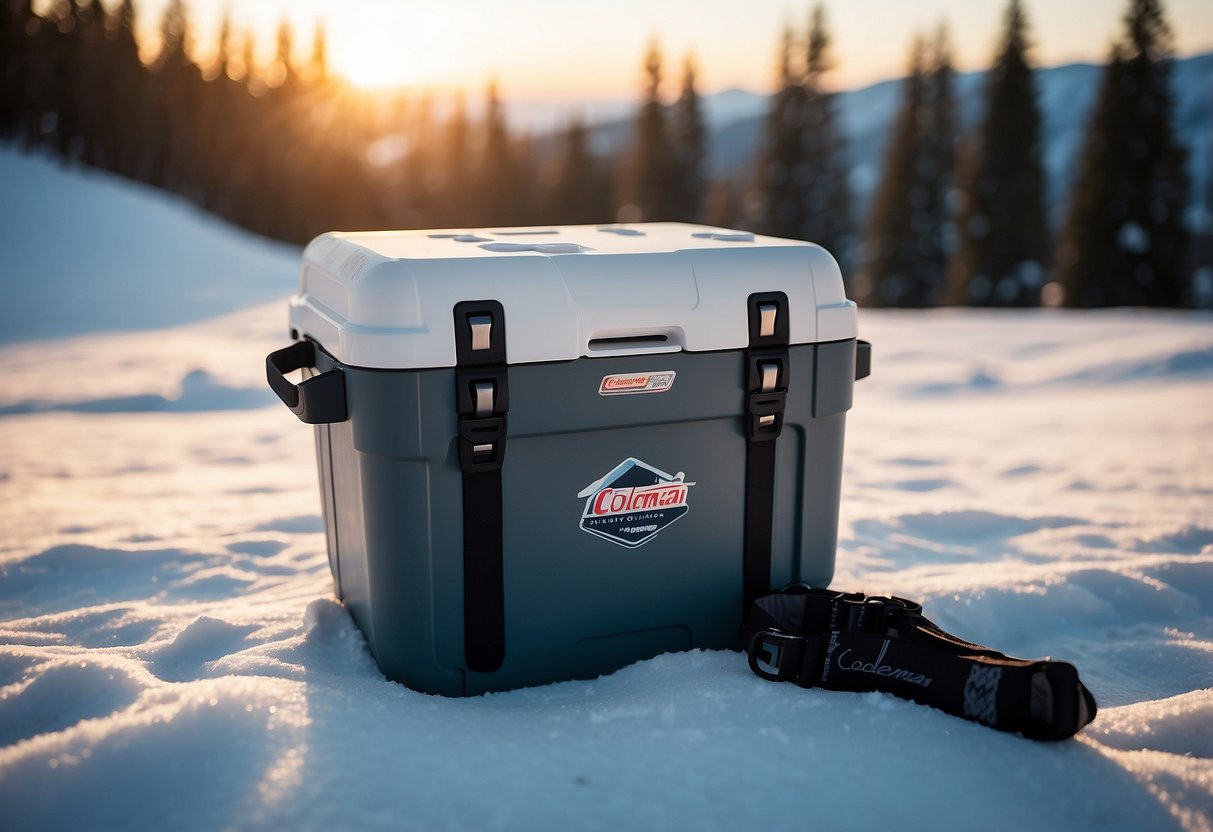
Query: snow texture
(171, 654)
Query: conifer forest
(289, 150)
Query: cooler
(546, 453)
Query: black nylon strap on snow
(853, 642)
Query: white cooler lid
(385, 299)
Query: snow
(171, 655)
(166, 267)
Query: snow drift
(171, 654)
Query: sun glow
(390, 46)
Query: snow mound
(197, 391)
(89, 252)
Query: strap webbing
(759, 518)
(853, 642)
(482, 402)
(483, 587)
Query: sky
(564, 50)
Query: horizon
(545, 114)
(426, 48)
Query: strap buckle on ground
(776, 656)
(871, 614)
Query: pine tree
(1123, 239)
(894, 271)
(126, 78)
(420, 184)
(937, 166)
(28, 66)
(649, 173)
(1002, 223)
(245, 170)
(14, 41)
(778, 206)
(903, 253)
(825, 190)
(81, 90)
(688, 141)
(523, 174)
(216, 106)
(290, 157)
(578, 192)
(173, 93)
(496, 190)
(223, 50)
(455, 167)
(248, 62)
(317, 71)
(45, 60)
(284, 66)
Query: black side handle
(863, 359)
(319, 400)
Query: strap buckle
(482, 443)
(775, 656)
(870, 614)
(768, 392)
(482, 400)
(766, 414)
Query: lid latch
(481, 384)
(482, 332)
(767, 313)
(768, 396)
(767, 365)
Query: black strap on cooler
(482, 400)
(766, 378)
(855, 642)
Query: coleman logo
(624, 383)
(876, 667)
(633, 502)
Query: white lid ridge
(385, 299)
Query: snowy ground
(171, 655)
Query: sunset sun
(391, 47)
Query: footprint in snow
(202, 641)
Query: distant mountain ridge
(1066, 93)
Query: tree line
(288, 150)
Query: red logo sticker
(633, 503)
(624, 383)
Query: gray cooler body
(612, 485)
